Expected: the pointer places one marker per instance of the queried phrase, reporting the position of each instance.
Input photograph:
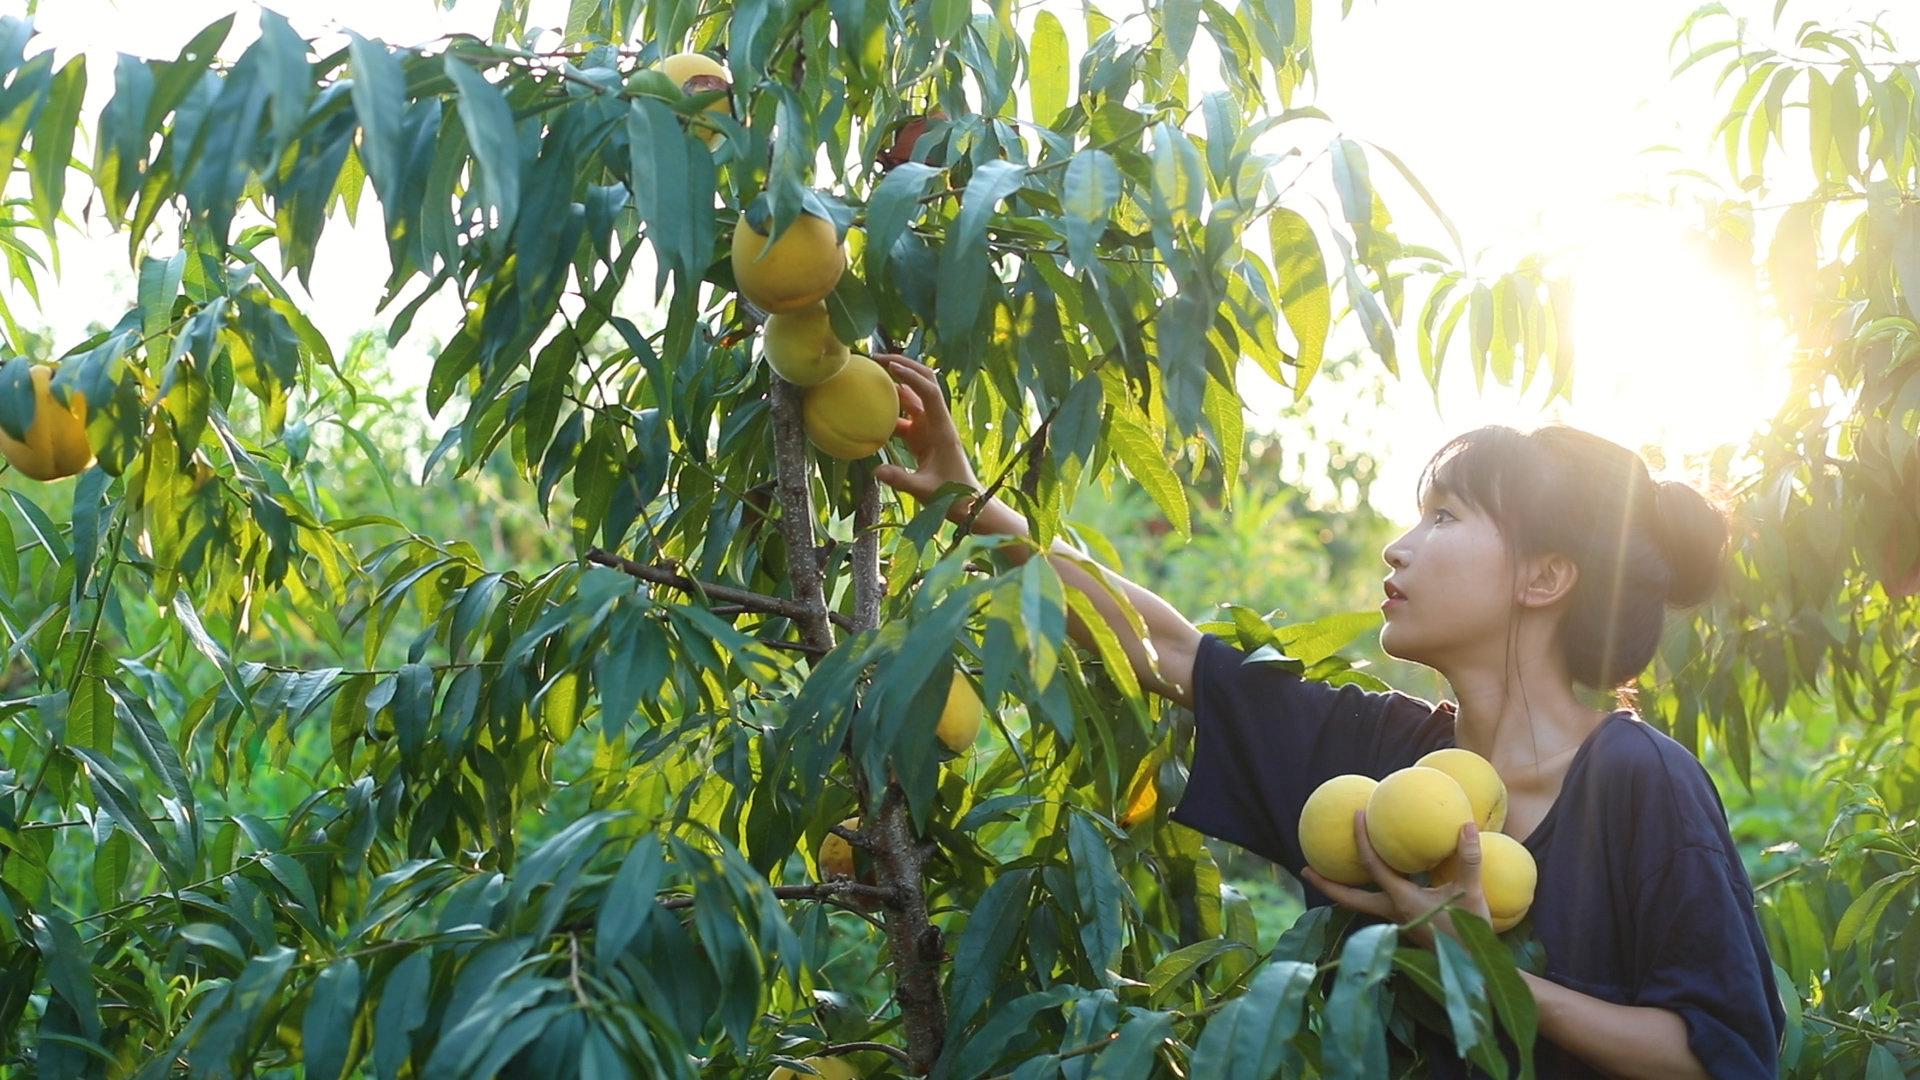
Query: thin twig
(837, 1049)
(836, 891)
(1861, 1029)
(746, 598)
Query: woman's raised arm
(1162, 661)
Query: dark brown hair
(1641, 545)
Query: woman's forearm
(1172, 636)
(1626, 1041)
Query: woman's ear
(1547, 580)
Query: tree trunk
(913, 942)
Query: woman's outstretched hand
(929, 433)
(1402, 899)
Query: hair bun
(1693, 535)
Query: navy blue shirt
(1642, 898)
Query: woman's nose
(1395, 554)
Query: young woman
(1542, 560)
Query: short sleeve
(1702, 955)
(1265, 737)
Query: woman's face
(1458, 587)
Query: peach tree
(293, 779)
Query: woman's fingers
(921, 380)
(901, 478)
(910, 400)
(1468, 878)
(887, 358)
(1377, 868)
(1371, 903)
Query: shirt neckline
(1539, 833)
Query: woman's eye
(1437, 513)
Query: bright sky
(1525, 119)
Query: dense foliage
(312, 765)
(1820, 633)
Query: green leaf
(15, 32)
(894, 205)
(289, 75)
(1179, 182)
(1013, 1019)
(327, 1032)
(21, 103)
(457, 710)
(1356, 1042)
(630, 899)
(155, 749)
(117, 796)
(120, 151)
(90, 715)
(111, 860)
(379, 102)
(851, 310)
(1883, 1065)
(1425, 196)
(496, 147)
(1176, 968)
(1512, 1002)
(1224, 411)
(583, 18)
(1373, 320)
(69, 967)
(1306, 299)
(672, 179)
(1076, 427)
(9, 555)
(1178, 21)
(1146, 462)
(159, 284)
(1181, 327)
(964, 265)
(949, 18)
(1131, 1054)
(1466, 995)
(1092, 189)
(1047, 69)
(178, 78)
(1248, 1039)
(1312, 642)
(1863, 914)
(189, 619)
(630, 669)
(412, 707)
(1043, 620)
(993, 926)
(403, 1008)
(53, 142)
(1101, 896)
(1351, 180)
(18, 402)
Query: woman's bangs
(1473, 467)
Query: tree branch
(837, 1049)
(746, 599)
(914, 943)
(836, 890)
(868, 588)
(815, 620)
